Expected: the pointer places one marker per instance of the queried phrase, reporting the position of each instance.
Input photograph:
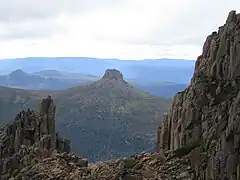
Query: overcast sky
(127, 29)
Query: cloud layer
(128, 29)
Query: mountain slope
(116, 118)
(13, 101)
(111, 110)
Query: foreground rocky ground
(139, 167)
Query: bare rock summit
(113, 74)
(112, 78)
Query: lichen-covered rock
(204, 120)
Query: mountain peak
(17, 73)
(113, 74)
(111, 78)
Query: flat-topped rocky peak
(112, 78)
(113, 74)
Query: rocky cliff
(204, 120)
(30, 138)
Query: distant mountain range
(20, 79)
(174, 70)
(56, 80)
(112, 117)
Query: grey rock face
(206, 116)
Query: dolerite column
(18, 134)
(158, 139)
(51, 123)
(47, 120)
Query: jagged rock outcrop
(204, 119)
(30, 138)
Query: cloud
(129, 29)
(20, 10)
(29, 29)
